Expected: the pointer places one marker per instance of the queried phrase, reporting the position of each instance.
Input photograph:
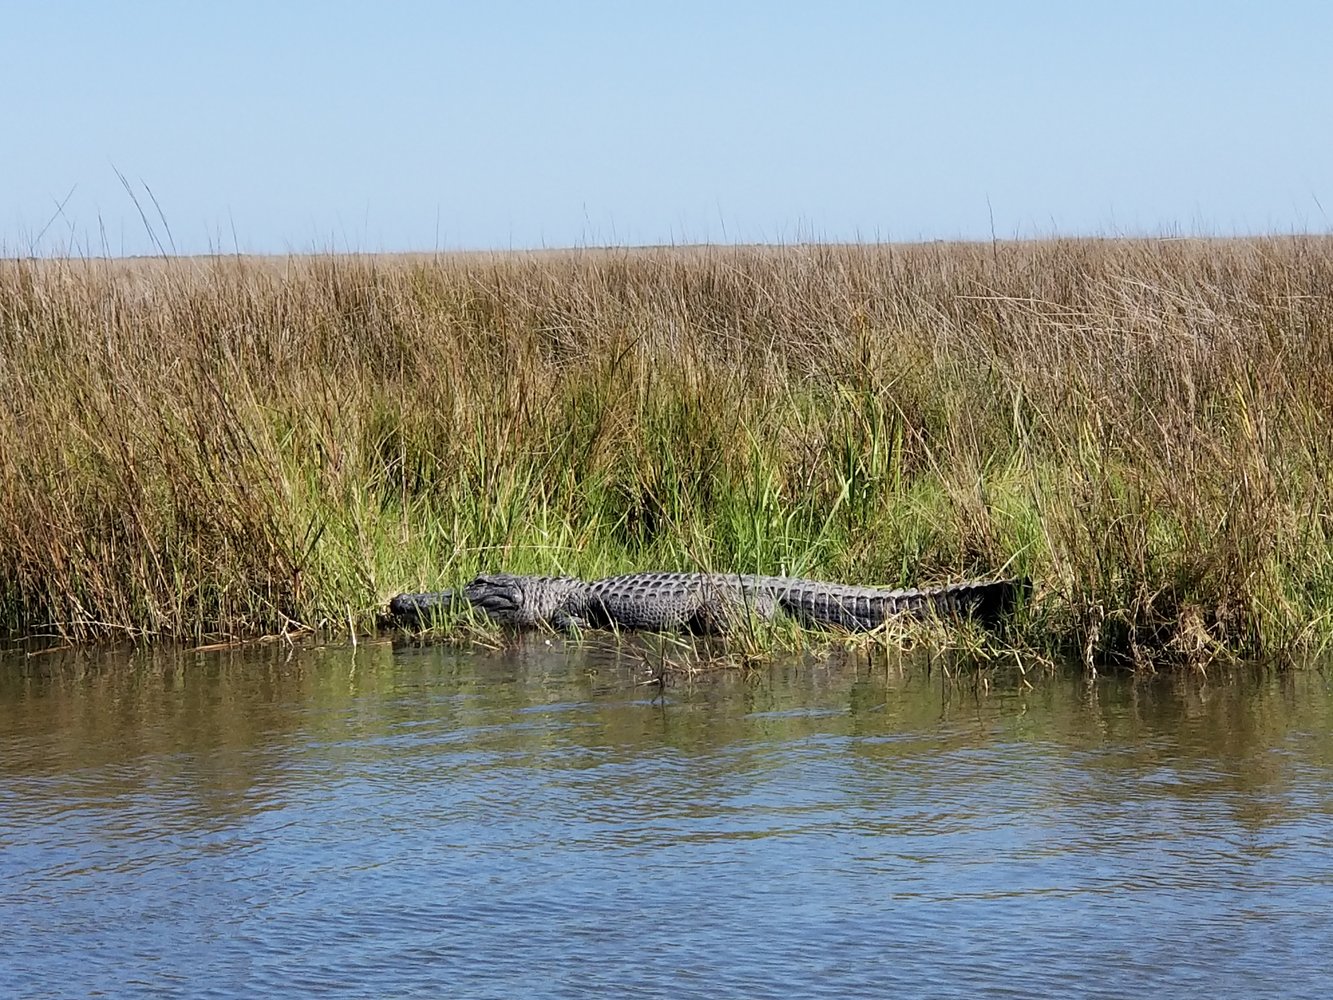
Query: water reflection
(536, 821)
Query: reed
(233, 446)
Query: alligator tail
(987, 601)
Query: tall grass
(191, 447)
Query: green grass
(233, 447)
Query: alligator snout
(417, 607)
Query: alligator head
(523, 600)
(502, 597)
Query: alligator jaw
(419, 609)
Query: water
(540, 823)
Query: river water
(539, 822)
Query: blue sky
(277, 126)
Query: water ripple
(435, 823)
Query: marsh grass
(213, 448)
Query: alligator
(704, 603)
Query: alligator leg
(720, 613)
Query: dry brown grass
(202, 446)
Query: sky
(292, 126)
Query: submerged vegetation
(195, 447)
